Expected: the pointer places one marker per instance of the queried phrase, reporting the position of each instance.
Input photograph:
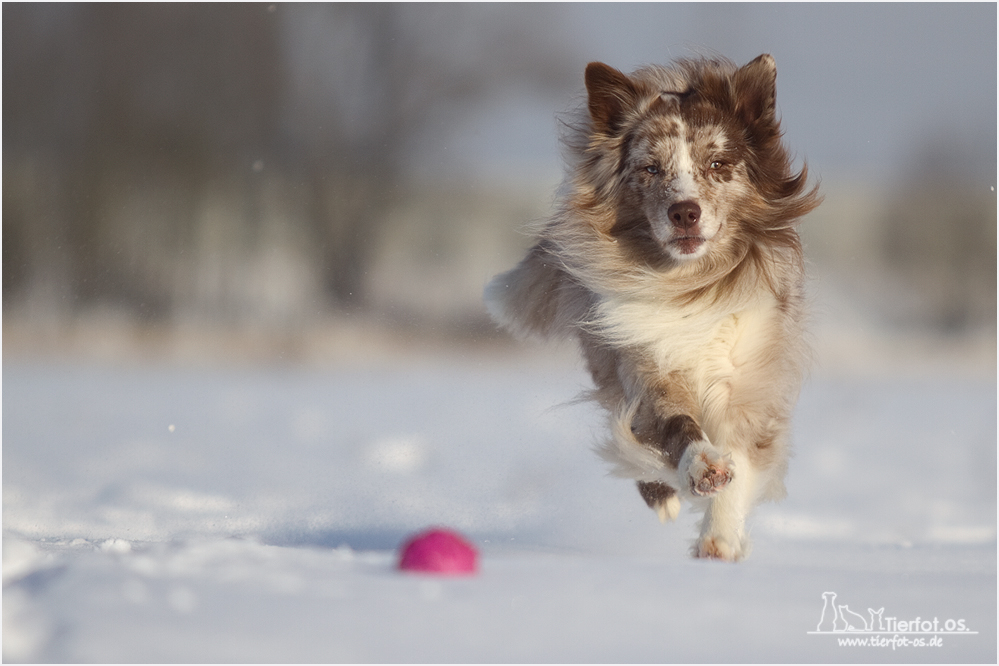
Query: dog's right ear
(611, 93)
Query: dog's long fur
(675, 262)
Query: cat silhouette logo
(837, 618)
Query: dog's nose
(684, 214)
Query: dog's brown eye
(653, 169)
(717, 164)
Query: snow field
(250, 515)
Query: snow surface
(178, 515)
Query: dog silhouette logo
(827, 622)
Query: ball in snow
(439, 551)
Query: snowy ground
(163, 514)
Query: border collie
(673, 259)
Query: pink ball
(439, 551)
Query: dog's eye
(716, 164)
(653, 169)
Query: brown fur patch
(654, 493)
(670, 435)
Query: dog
(673, 259)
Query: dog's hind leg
(661, 498)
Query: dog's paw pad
(710, 474)
(717, 548)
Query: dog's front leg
(666, 422)
(723, 529)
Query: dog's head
(692, 155)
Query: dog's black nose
(684, 214)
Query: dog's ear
(756, 90)
(611, 93)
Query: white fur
(669, 510)
(629, 458)
(682, 185)
(724, 525)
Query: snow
(252, 514)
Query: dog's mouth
(687, 244)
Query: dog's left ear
(756, 90)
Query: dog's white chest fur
(691, 336)
(719, 348)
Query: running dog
(673, 259)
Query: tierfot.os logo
(875, 629)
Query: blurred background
(314, 183)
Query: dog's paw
(662, 499)
(708, 471)
(668, 509)
(718, 548)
